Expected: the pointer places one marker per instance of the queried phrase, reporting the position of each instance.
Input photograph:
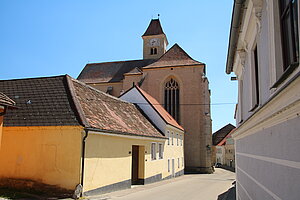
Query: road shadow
(230, 194)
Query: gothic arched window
(171, 97)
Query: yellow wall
(108, 159)
(117, 87)
(173, 151)
(51, 155)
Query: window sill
(254, 107)
(285, 75)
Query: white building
(264, 54)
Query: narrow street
(187, 187)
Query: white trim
(244, 190)
(285, 106)
(283, 162)
(127, 136)
(260, 185)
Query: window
(289, 32)
(153, 51)
(171, 98)
(255, 80)
(178, 163)
(168, 165)
(160, 151)
(172, 138)
(168, 135)
(153, 151)
(181, 141)
(177, 137)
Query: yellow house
(68, 135)
(173, 150)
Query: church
(175, 80)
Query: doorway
(135, 165)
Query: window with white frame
(160, 151)
(177, 138)
(168, 165)
(172, 138)
(287, 56)
(178, 163)
(153, 151)
(289, 32)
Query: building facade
(67, 135)
(218, 150)
(264, 55)
(173, 147)
(174, 79)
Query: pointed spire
(154, 28)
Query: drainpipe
(234, 33)
(82, 156)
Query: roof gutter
(234, 33)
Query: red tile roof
(158, 107)
(175, 56)
(154, 28)
(105, 112)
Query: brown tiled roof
(110, 71)
(154, 28)
(64, 101)
(5, 100)
(220, 134)
(40, 101)
(106, 112)
(158, 107)
(175, 56)
(223, 142)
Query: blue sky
(54, 37)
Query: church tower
(155, 41)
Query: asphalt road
(187, 187)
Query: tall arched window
(171, 103)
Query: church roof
(110, 71)
(135, 71)
(175, 56)
(154, 28)
(64, 101)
